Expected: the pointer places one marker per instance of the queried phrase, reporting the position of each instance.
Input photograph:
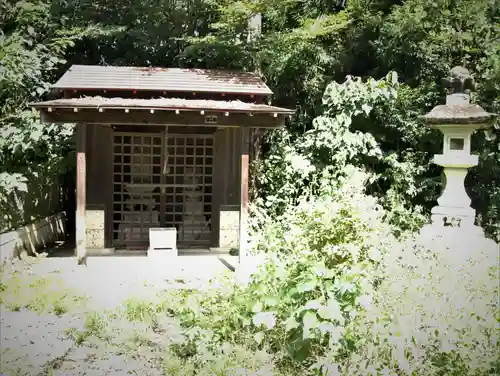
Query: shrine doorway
(162, 177)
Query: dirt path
(33, 344)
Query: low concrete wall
(33, 237)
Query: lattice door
(162, 180)
(137, 176)
(188, 187)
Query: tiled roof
(161, 79)
(161, 104)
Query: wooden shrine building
(161, 148)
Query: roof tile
(161, 79)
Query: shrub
(435, 312)
(320, 257)
(338, 294)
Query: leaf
(35, 135)
(335, 332)
(331, 370)
(313, 304)
(22, 187)
(299, 349)
(332, 311)
(364, 301)
(291, 324)
(257, 307)
(310, 322)
(259, 337)
(366, 108)
(393, 77)
(271, 300)
(265, 318)
(345, 286)
(325, 327)
(307, 286)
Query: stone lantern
(457, 120)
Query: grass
(95, 326)
(138, 329)
(20, 290)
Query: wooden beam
(244, 161)
(119, 116)
(81, 172)
(218, 175)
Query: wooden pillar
(81, 185)
(244, 161)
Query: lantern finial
(460, 81)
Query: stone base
(461, 241)
(220, 250)
(94, 228)
(163, 238)
(162, 253)
(100, 251)
(452, 216)
(229, 231)
(95, 238)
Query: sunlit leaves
(33, 45)
(308, 285)
(291, 324)
(332, 312)
(266, 319)
(11, 182)
(310, 322)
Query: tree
(33, 43)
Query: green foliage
(340, 289)
(340, 137)
(437, 35)
(306, 46)
(323, 254)
(33, 156)
(303, 48)
(422, 41)
(420, 321)
(336, 293)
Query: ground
(58, 318)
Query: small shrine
(163, 154)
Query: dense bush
(435, 312)
(34, 157)
(338, 294)
(342, 285)
(311, 163)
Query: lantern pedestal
(457, 120)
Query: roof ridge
(177, 79)
(166, 69)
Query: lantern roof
(458, 109)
